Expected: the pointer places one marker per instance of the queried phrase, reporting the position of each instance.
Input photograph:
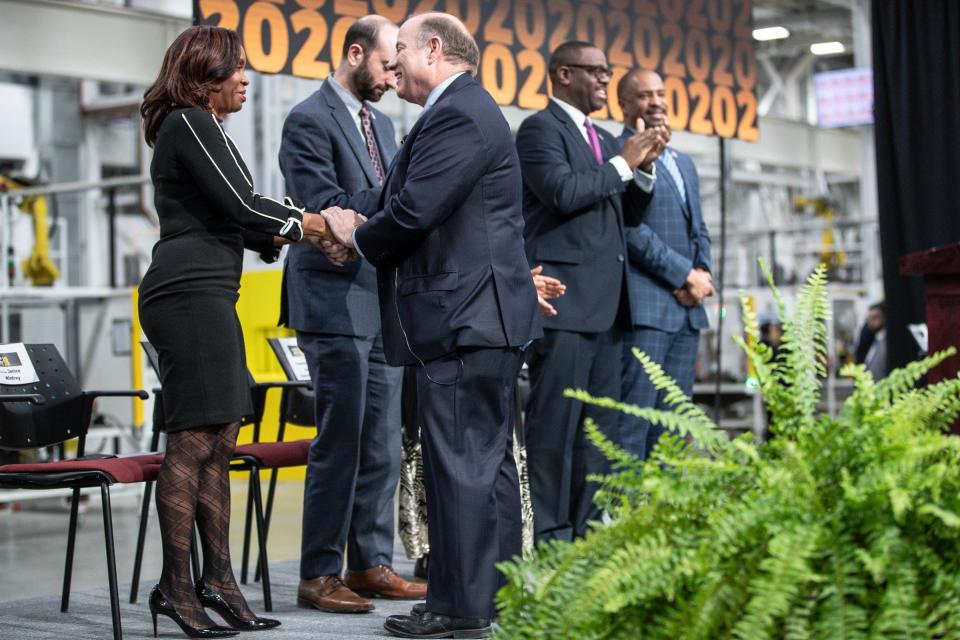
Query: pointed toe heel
(159, 604)
(214, 600)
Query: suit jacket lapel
(350, 133)
(403, 152)
(412, 135)
(572, 131)
(688, 180)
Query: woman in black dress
(208, 213)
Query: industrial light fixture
(770, 33)
(827, 48)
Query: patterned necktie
(674, 171)
(593, 140)
(371, 142)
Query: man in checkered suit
(668, 268)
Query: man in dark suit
(669, 268)
(458, 304)
(574, 178)
(334, 151)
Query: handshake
(331, 231)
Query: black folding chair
(51, 412)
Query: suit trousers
(676, 352)
(473, 492)
(558, 454)
(354, 461)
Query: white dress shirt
(643, 179)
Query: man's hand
(664, 135)
(341, 223)
(319, 234)
(686, 298)
(699, 284)
(547, 288)
(643, 147)
(546, 309)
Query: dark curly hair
(199, 59)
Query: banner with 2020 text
(702, 48)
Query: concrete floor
(33, 540)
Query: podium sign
(703, 49)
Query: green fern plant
(836, 529)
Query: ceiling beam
(79, 40)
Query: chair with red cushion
(53, 411)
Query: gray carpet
(89, 615)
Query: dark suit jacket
(324, 161)
(671, 240)
(448, 240)
(574, 218)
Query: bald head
(365, 32)
(459, 47)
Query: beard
(366, 87)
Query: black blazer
(448, 240)
(573, 211)
(324, 161)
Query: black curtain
(916, 71)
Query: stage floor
(32, 546)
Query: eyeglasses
(595, 70)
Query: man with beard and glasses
(335, 150)
(575, 177)
(669, 268)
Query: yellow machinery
(39, 269)
(830, 254)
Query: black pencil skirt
(203, 367)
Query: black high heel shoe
(160, 604)
(213, 599)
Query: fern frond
(843, 528)
(694, 423)
(785, 576)
(900, 381)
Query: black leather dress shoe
(434, 625)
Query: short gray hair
(458, 44)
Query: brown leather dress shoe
(328, 593)
(383, 582)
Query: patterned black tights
(194, 485)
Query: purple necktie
(594, 141)
(371, 142)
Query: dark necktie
(371, 142)
(594, 141)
